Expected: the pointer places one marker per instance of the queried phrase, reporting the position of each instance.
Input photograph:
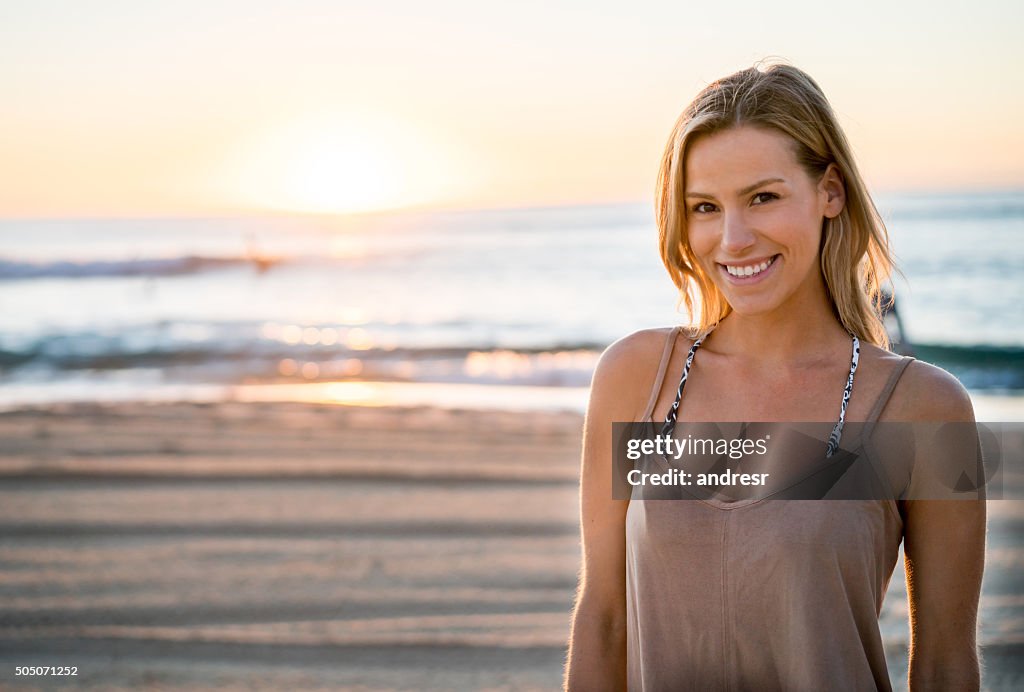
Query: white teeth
(749, 270)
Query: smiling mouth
(749, 270)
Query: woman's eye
(762, 197)
(703, 208)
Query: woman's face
(754, 217)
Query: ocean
(475, 308)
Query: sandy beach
(303, 546)
(287, 546)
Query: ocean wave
(14, 270)
(979, 367)
(264, 362)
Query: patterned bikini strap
(670, 418)
(837, 431)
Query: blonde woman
(770, 235)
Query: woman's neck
(789, 335)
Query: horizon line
(268, 213)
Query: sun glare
(340, 165)
(335, 173)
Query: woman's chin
(755, 306)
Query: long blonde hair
(855, 255)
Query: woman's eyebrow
(740, 193)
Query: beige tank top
(768, 595)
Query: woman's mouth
(749, 272)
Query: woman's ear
(833, 191)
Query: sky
(221, 106)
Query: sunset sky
(192, 108)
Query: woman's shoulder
(639, 343)
(629, 367)
(642, 348)
(923, 392)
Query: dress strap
(666, 357)
(670, 418)
(887, 391)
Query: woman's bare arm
(597, 645)
(944, 547)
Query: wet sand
(301, 546)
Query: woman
(768, 231)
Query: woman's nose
(736, 234)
